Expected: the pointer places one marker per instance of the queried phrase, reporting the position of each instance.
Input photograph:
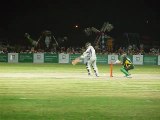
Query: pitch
(66, 92)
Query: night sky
(60, 17)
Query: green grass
(77, 99)
(27, 67)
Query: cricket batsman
(127, 65)
(90, 56)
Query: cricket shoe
(97, 75)
(128, 76)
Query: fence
(67, 58)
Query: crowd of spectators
(130, 50)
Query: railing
(67, 58)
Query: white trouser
(89, 63)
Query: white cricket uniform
(90, 56)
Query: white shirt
(89, 53)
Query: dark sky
(34, 16)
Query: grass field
(65, 92)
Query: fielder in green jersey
(127, 65)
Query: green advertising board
(150, 60)
(3, 57)
(54, 58)
(73, 56)
(25, 57)
(103, 59)
(50, 58)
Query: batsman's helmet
(87, 44)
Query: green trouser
(125, 70)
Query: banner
(63, 58)
(50, 58)
(102, 59)
(13, 57)
(150, 60)
(3, 57)
(112, 58)
(67, 58)
(158, 59)
(38, 58)
(25, 57)
(138, 59)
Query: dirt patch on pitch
(77, 76)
